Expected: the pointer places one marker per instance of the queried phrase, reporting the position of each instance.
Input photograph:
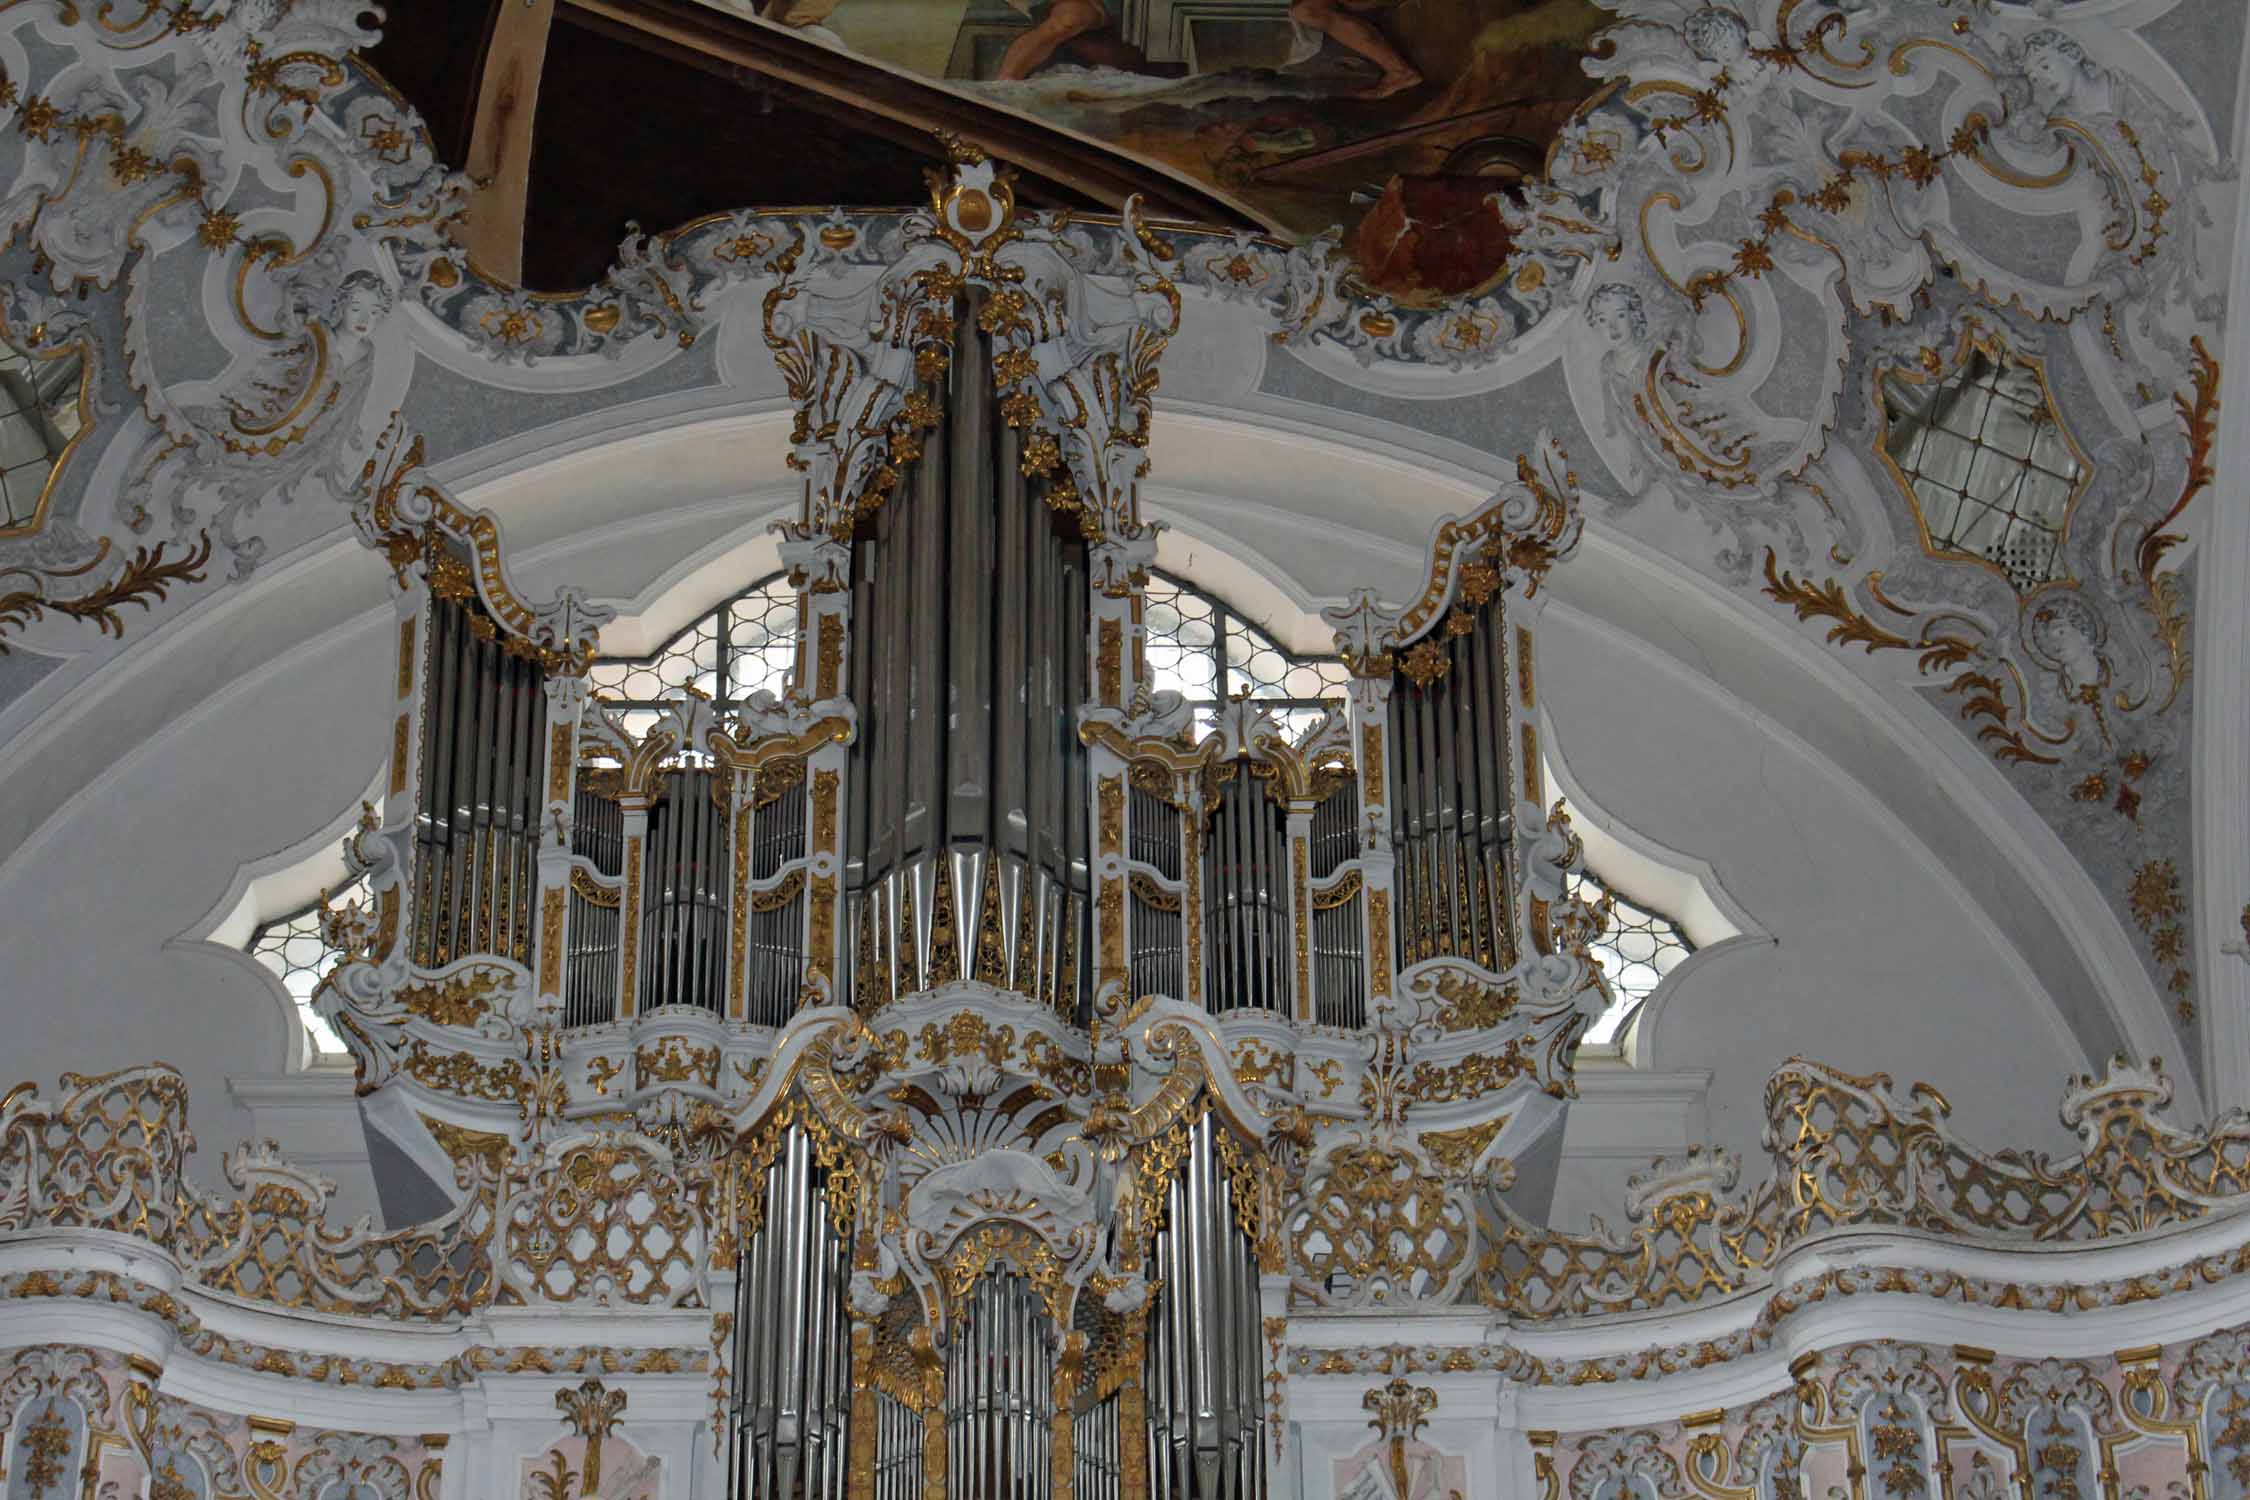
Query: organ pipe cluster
(476, 826)
(966, 832)
(1451, 732)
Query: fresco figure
(1409, 138)
(1346, 22)
(1084, 27)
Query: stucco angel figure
(291, 417)
(1726, 49)
(2063, 634)
(1682, 427)
(1684, 48)
(2060, 99)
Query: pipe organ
(994, 1000)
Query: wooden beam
(1099, 172)
(500, 142)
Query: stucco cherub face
(362, 309)
(1614, 312)
(2063, 636)
(1718, 36)
(255, 16)
(2052, 71)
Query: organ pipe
(597, 835)
(683, 902)
(476, 826)
(1452, 801)
(1207, 1436)
(966, 844)
(792, 1385)
(1246, 887)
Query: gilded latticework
(1854, 1154)
(1848, 1152)
(606, 1221)
(1377, 1227)
(273, 1247)
(104, 1155)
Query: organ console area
(913, 960)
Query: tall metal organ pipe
(1339, 931)
(1246, 889)
(597, 833)
(1452, 801)
(792, 1340)
(684, 894)
(999, 1385)
(969, 617)
(1207, 1425)
(776, 957)
(476, 825)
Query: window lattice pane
(1639, 948)
(1206, 653)
(38, 418)
(293, 948)
(1987, 464)
(748, 644)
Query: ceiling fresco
(1897, 329)
(1397, 124)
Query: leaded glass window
(1208, 653)
(299, 956)
(1986, 460)
(38, 418)
(744, 645)
(1640, 947)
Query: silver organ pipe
(1452, 809)
(1207, 1437)
(1339, 926)
(966, 845)
(1159, 925)
(792, 1376)
(476, 830)
(898, 1449)
(999, 1381)
(1246, 894)
(597, 835)
(776, 954)
(1096, 1448)
(684, 894)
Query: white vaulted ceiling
(1935, 910)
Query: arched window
(742, 645)
(39, 416)
(1208, 653)
(1640, 946)
(294, 949)
(746, 643)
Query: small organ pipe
(477, 794)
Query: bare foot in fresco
(1340, 19)
(1389, 84)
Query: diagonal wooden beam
(1099, 172)
(500, 142)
